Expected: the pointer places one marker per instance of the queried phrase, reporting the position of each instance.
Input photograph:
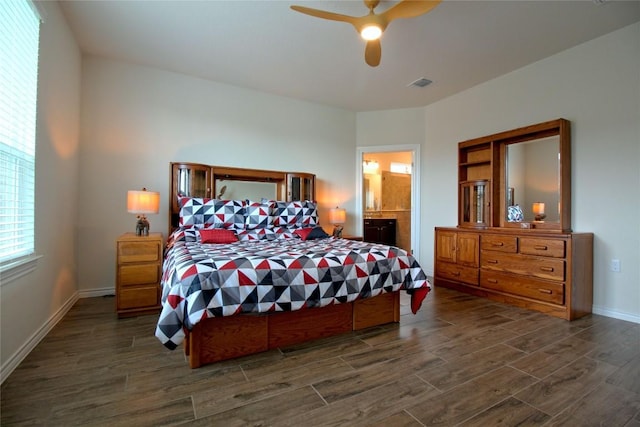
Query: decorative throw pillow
(309, 214)
(317, 233)
(258, 214)
(311, 233)
(217, 235)
(287, 214)
(303, 233)
(204, 213)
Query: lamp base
(337, 231)
(540, 217)
(142, 226)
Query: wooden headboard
(207, 181)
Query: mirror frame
(559, 127)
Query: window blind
(19, 37)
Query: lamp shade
(337, 216)
(538, 208)
(143, 201)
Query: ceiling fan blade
(372, 53)
(409, 9)
(324, 14)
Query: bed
(241, 277)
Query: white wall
(136, 120)
(597, 87)
(31, 305)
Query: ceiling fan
(371, 26)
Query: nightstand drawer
(138, 297)
(137, 274)
(138, 251)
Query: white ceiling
(264, 45)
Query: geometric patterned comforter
(208, 280)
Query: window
(19, 37)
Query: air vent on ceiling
(421, 82)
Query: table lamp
(538, 211)
(141, 202)
(337, 217)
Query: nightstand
(357, 238)
(139, 265)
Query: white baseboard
(629, 317)
(12, 363)
(99, 292)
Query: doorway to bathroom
(388, 184)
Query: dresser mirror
(536, 178)
(533, 179)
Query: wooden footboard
(221, 338)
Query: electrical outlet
(615, 265)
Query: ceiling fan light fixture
(371, 26)
(371, 32)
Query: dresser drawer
(499, 243)
(523, 286)
(542, 247)
(457, 273)
(138, 297)
(137, 274)
(544, 268)
(138, 251)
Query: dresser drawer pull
(547, 269)
(492, 281)
(497, 244)
(545, 291)
(540, 248)
(492, 261)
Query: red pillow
(303, 232)
(217, 235)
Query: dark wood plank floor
(460, 361)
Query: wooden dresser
(514, 242)
(138, 264)
(551, 273)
